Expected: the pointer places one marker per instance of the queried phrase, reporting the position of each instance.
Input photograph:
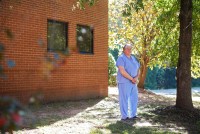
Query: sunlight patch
(143, 124)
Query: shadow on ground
(187, 119)
(47, 114)
(172, 118)
(157, 115)
(124, 128)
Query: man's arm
(137, 77)
(126, 75)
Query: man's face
(127, 51)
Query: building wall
(83, 76)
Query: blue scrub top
(131, 66)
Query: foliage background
(157, 78)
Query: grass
(124, 128)
(120, 127)
(101, 116)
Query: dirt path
(88, 116)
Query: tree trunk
(142, 76)
(184, 99)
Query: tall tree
(189, 46)
(139, 28)
(184, 99)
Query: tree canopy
(164, 47)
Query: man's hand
(134, 80)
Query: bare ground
(87, 116)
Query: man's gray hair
(127, 46)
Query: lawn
(157, 115)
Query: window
(84, 39)
(57, 36)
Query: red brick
(82, 77)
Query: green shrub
(111, 70)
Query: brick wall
(83, 76)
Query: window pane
(84, 39)
(57, 33)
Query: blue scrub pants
(128, 99)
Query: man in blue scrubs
(127, 77)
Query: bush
(111, 70)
